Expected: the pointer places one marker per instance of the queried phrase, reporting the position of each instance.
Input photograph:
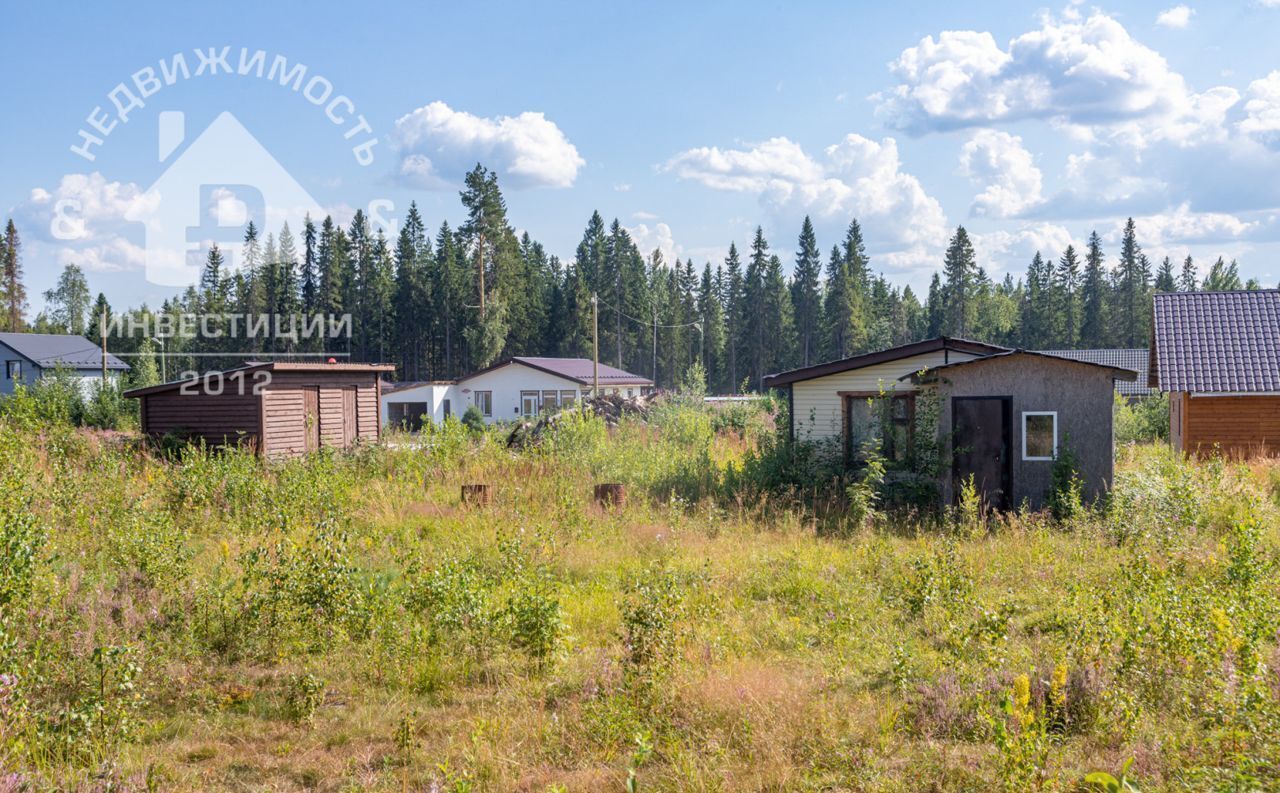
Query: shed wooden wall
(283, 407)
(219, 419)
(1240, 426)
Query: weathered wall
(1239, 426)
(1082, 397)
(286, 422)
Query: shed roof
(1216, 342)
(579, 370)
(881, 356)
(269, 366)
(1118, 373)
(1134, 360)
(49, 350)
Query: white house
(507, 391)
(28, 356)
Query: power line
(649, 323)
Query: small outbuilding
(998, 414)
(1217, 354)
(280, 409)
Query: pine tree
(959, 270)
(1094, 312)
(806, 299)
(1222, 277)
(12, 289)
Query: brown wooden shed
(1217, 354)
(280, 409)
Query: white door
(529, 404)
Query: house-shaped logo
(208, 193)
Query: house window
(448, 409)
(880, 421)
(13, 370)
(484, 401)
(567, 398)
(1039, 435)
(529, 403)
(550, 401)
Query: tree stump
(476, 495)
(611, 495)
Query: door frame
(1006, 475)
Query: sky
(690, 123)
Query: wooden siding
(277, 420)
(224, 418)
(1239, 426)
(816, 404)
(285, 421)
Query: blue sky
(689, 123)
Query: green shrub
(473, 419)
(1143, 421)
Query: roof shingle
(1217, 342)
(1133, 360)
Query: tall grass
(208, 620)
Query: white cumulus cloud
(437, 145)
(658, 236)
(1183, 225)
(1002, 165)
(856, 177)
(1010, 251)
(1262, 110)
(1176, 17)
(1086, 71)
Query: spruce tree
(837, 309)
(1094, 308)
(858, 266)
(754, 303)
(1132, 290)
(12, 289)
(1066, 283)
(1222, 277)
(959, 271)
(308, 276)
(1187, 278)
(1165, 281)
(734, 316)
(806, 299)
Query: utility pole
(655, 345)
(102, 328)
(595, 345)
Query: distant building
(29, 356)
(1218, 356)
(509, 390)
(1133, 360)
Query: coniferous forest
(444, 302)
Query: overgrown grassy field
(208, 621)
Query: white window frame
(486, 409)
(13, 370)
(1027, 413)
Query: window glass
(550, 401)
(484, 401)
(567, 398)
(1039, 436)
(13, 370)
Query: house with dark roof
(510, 389)
(993, 415)
(1135, 360)
(29, 356)
(1217, 354)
